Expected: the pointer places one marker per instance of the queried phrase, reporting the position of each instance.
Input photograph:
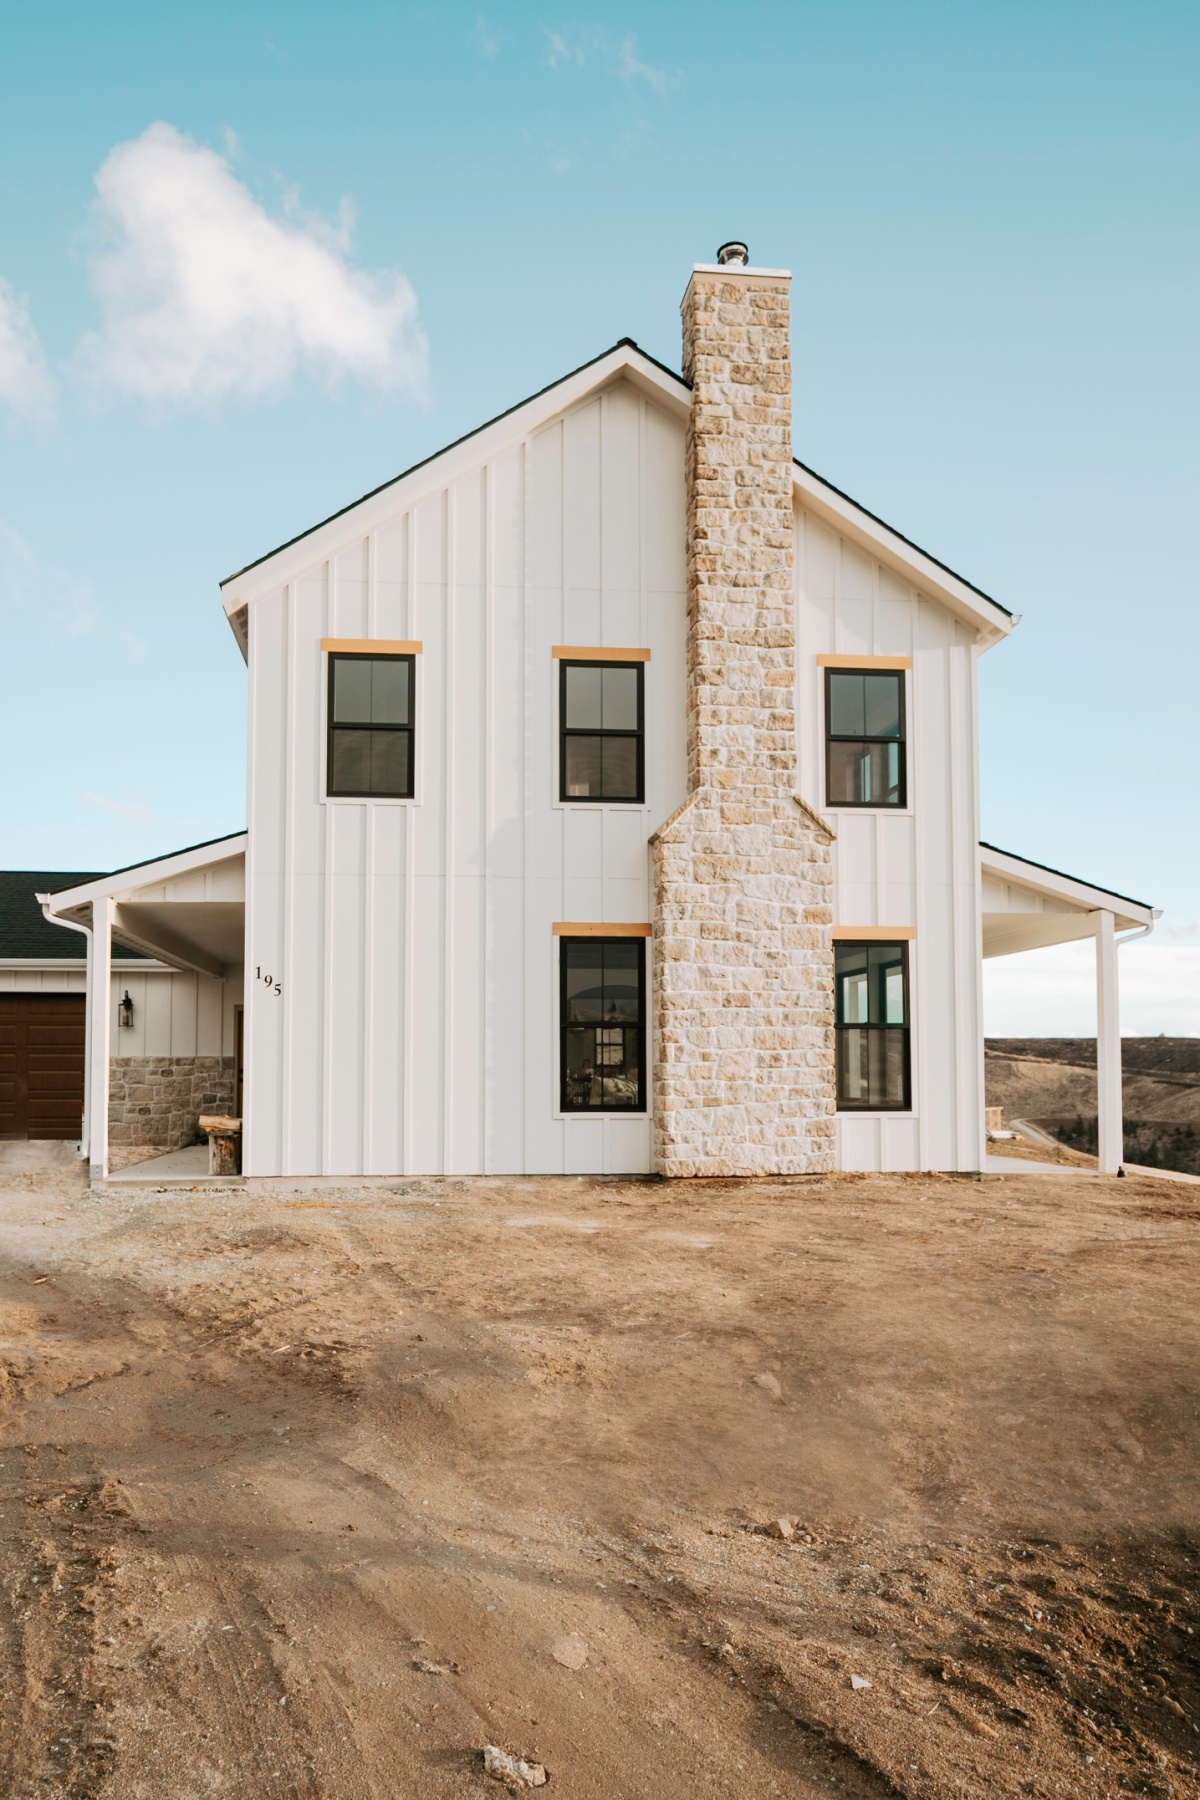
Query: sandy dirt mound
(860, 1486)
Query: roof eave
(1042, 879)
(991, 621)
(160, 868)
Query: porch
(159, 1056)
(1026, 906)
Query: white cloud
(121, 809)
(1052, 993)
(576, 45)
(486, 38)
(61, 599)
(62, 602)
(204, 294)
(25, 382)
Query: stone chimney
(743, 1022)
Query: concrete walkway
(1023, 1165)
(177, 1165)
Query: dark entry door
(41, 1065)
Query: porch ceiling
(206, 935)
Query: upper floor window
(603, 1024)
(602, 729)
(872, 1027)
(864, 733)
(371, 708)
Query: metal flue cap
(735, 255)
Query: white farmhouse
(613, 807)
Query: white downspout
(1142, 931)
(70, 925)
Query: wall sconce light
(125, 1010)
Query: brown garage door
(41, 1065)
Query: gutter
(1142, 931)
(85, 1141)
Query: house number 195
(269, 981)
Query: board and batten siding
(916, 866)
(415, 1030)
(175, 1013)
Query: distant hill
(1052, 1083)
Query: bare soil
(315, 1493)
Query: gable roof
(1041, 878)
(85, 888)
(26, 934)
(627, 359)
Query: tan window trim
(873, 934)
(569, 928)
(864, 662)
(373, 646)
(597, 653)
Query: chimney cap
(734, 254)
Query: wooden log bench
(224, 1144)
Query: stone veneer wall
(155, 1102)
(743, 989)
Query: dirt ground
(317, 1493)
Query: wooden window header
(864, 662)
(597, 653)
(373, 646)
(567, 928)
(873, 934)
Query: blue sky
(991, 213)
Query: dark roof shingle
(25, 930)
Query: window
(864, 732)
(872, 1027)
(602, 1010)
(601, 721)
(371, 703)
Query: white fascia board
(124, 882)
(48, 966)
(366, 515)
(1081, 894)
(42, 963)
(958, 596)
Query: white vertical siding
(174, 1013)
(916, 866)
(417, 1030)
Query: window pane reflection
(871, 996)
(864, 731)
(601, 710)
(603, 983)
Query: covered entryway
(42, 1064)
(1027, 906)
(160, 1053)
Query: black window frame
(843, 737)
(565, 731)
(842, 1025)
(636, 1107)
(339, 656)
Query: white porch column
(1111, 1119)
(99, 1033)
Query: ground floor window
(873, 1065)
(603, 1020)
